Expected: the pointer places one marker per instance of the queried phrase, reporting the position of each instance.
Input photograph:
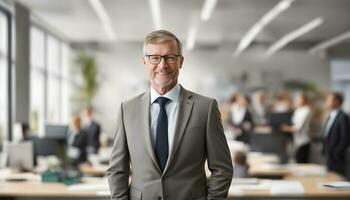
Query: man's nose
(162, 64)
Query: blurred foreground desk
(90, 170)
(39, 190)
(29, 186)
(97, 188)
(311, 186)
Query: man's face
(164, 74)
(331, 102)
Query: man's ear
(181, 61)
(143, 60)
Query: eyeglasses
(155, 59)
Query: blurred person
(282, 103)
(93, 130)
(241, 167)
(168, 162)
(300, 128)
(240, 119)
(336, 134)
(259, 108)
(77, 142)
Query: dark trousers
(302, 153)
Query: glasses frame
(162, 57)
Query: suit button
(159, 198)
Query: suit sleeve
(218, 156)
(343, 137)
(119, 165)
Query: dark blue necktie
(162, 147)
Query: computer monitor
(20, 155)
(55, 131)
(47, 146)
(275, 120)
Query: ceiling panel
(230, 20)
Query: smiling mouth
(162, 73)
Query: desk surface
(93, 170)
(310, 184)
(35, 188)
(39, 189)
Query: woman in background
(300, 129)
(240, 118)
(259, 108)
(77, 142)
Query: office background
(230, 49)
(61, 30)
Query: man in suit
(337, 134)
(93, 130)
(167, 134)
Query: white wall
(122, 74)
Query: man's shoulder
(343, 116)
(200, 98)
(135, 99)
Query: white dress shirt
(171, 111)
(237, 113)
(330, 121)
(301, 122)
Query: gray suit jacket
(198, 137)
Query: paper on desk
(244, 181)
(286, 188)
(237, 189)
(307, 170)
(103, 193)
(88, 187)
(336, 185)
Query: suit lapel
(334, 122)
(145, 122)
(183, 116)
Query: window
(37, 59)
(54, 81)
(49, 81)
(3, 75)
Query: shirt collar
(173, 94)
(334, 112)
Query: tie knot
(162, 101)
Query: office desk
(39, 189)
(90, 170)
(310, 184)
(35, 189)
(269, 170)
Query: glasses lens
(170, 59)
(154, 59)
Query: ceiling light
(331, 42)
(155, 11)
(103, 16)
(293, 35)
(257, 28)
(191, 38)
(207, 9)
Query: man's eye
(170, 58)
(155, 58)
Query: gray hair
(160, 36)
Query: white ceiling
(231, 19)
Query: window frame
(9, 91)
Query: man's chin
(163, 84)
